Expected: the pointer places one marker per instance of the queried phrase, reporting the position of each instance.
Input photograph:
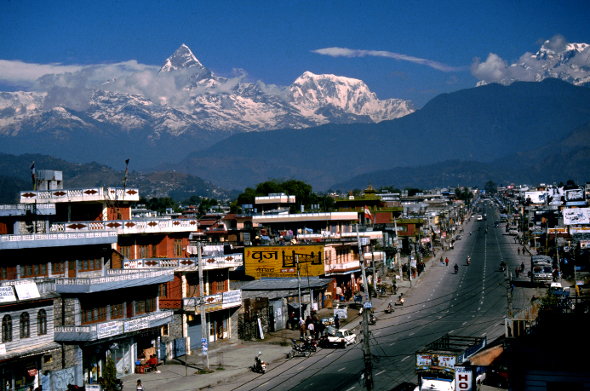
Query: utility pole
(366, 307)
(204, 328)
(299, 289)
(508, 291)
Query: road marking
(405, 358)
(412, 333)
(351, 388)
(341, 369)
(263, 384)
(300, 368)
(392, 344)
(479, 308)
(376, 333)
(463, 323)
(377, 374)
(308, 385)
(484, 334)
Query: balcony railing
(219, 301)
(112, 328)
(77, 195)
(216, 262)
(22, 209)
(114, 279)
(57, 239)
(129, 226)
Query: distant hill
(481, 124)
(554, 162)
(16, 177)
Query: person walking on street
(441, 261)
(447, 261)
(139, 386)
(518, 251)
(337, 322)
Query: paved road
(472, 303)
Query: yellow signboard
(281, 261)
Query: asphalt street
(472, 302)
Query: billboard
(281, 261)
(574, 195)
(576, 216)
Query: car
(339, 338)
(458, 237)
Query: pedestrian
(522, 267)
(292, 322)
(516, 271)
(337, 322)
(311, 330)
(139, 385)
(524, 248)
(511, 288)
(301, 328)
(518, 251)
(441, 261)
(447, 261)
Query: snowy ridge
(213, 104)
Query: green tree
(109, 378)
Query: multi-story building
(68, 300)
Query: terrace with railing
(186, 264)
(79, 195)
(129, 226)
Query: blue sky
(411, 50)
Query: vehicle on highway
(339, 338)
(541, 271)
(458, 237)
(479, 217)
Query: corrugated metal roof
(267, 284)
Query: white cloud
(345, 52)
(18, 73)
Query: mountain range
(106, 125)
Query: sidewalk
(232, 358)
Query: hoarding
(574, 195)
(281, 261)
(576, 216)
(435, 360)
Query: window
(24, 325)
(145, 305)
(42, 322)
(7, 328)
(94, 315)
(117, 310)
(125, 251)
(143, 251)
(177, 247)
(35, 270)
(219, 286)
(7, 272)
(164, 330)
(90, 264)
(163, 290)
(58, 267)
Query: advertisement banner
(435, 360)
(281, 261)
(27, 291)
(576, 216)
(136, 324)
(574, 195)
(7, 294)
(108, 329)
(234, 296)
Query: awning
(294, 305)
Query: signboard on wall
(7, 294)
(576, 216)
(281, 261)
(108, 329)
(27, 291)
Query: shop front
(19, 375)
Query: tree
(490, 187)
(109, 378)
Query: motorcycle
(400, 300)
(310, 344)
(259, 365)
(468, 261)
(298, 350)
(372, 319)
(389, 309)
(456, 269)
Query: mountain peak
(182, 58)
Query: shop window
(163, 290)
(42, 322)
(25, 329)
(143, 251)
(94, 315)
(125, 251)
(6, 328)
(58, 267)
(117, 311)
(90, 264)
(177, 247)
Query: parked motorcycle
(259, 365)
(310, 344)
(298, 350)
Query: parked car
(339, 338)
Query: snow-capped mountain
(568, 62)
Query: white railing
(220, 261)
(128, 226)
(25, 207)
(58, 236)
(343, 266)
(92, 193)
(114, 275)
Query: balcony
(114, 279)
(112, 328)
(23, 209)
(79, 195)
(342, 268)
(17, 242)
(187, 264)
(219, 301)
(127, 227)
